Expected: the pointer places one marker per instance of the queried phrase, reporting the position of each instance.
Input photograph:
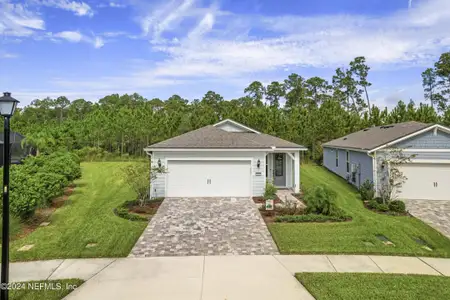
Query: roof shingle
(215, 138)
(373, 137)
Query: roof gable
(233, 126)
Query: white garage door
(208, 178)
(426, 181)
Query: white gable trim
(436, 127)
(237, 125)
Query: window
(348, 162)
(337, 158)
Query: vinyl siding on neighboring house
(361, 159)
(258, 182)
(427, 140)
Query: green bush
(373, 204)
(383, 207)
(367, 190)
(311, 218)
(39, 179)
(123, 213)
(379, 200)
(397, 206)
(62, 163)
(270, 191)
(321, 200)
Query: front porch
(283, 170)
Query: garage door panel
(421, 179)
(193, 178)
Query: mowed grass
(40, 290)
(87, 217)
(348, 286)
(349, 237)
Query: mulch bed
(260, 200)
(43, 214)
(148, 209)
(389, 213)
(269, 215)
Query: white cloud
(71, 36)
(200, 43)
(17, 20)
(78, 8)
(116, 5)
(76, 37)
(5, 55)
(165, 18)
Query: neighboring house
(225, 159)
(18, 153)
(359, 156)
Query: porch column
(296, 163)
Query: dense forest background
(314, 110)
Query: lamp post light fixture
(7, 107)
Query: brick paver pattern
(205, 226)
(435, 213)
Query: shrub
(397, 206)
(270, 191)
(321, 200)
(62, 163)
(373, 204)
(311, 218)
(290, 207)
(367, 190)
(383, 207)
(379, 200)
(123, 213)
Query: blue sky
(90, 49)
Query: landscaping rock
(25, 248)
(388, 243)
(44, 224)
(91, 245)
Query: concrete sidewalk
(212, 277)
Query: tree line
(315, 111)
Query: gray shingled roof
(373, 137)
(215, 138)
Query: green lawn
(349, 237)
(40, 290)
(349, 286)
(86, 218)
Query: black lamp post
(7, 106)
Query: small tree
(138, 178)
(392, 183)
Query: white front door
(208, 178)
(426, 181)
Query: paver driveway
(205, 226)
(434, 213)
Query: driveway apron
(205, 226)
(435, 213)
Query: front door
(279, 172)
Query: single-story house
(225, 159)
(361, 156)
